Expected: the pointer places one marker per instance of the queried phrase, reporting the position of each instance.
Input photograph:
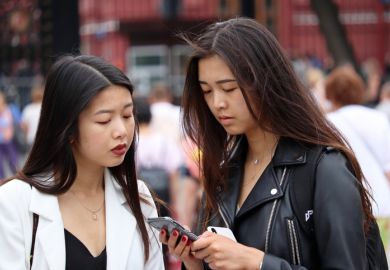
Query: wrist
(255, 259)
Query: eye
(206, 91)
(127, 116)
(229, 89)
(103, 122)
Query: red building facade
(366, 22)
(119, 29)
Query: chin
(233, 132)
(114, 163)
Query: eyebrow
(219, 81)
(110, 111)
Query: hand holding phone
(170, 224)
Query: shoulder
(15, 196)
(334, 177)
(14, 188)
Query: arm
(12, 241)
(338, 215)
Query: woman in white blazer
(80, 180)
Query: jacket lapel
(120, 225)
(50, 239)
(267, 188)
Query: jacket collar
(120, 226)
(50, 232)
(288, 153)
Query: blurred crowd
(356, 102)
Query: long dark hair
(274, 96)
(72, 82)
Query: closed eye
(230, 89)
(103, 122)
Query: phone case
(222, 231)
(169, 224)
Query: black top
(78, 256)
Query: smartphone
(170, 224)
(222, 231)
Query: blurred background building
(140, 36)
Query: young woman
(256, 127)
(80, 180)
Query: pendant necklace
(256, 161)
(93, 212)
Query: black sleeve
(338, 215)
(338, 219)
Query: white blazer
(124, 244)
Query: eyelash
(106, 122)
(229, 90)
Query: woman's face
(106, 129)
(224, 97)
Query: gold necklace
(93, 212)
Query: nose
(119, 130)
(219, 101)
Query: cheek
(130, 131)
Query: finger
(163, 236)
(201, 254)
(208, 259)
(181, 245)
(207, 234)
(203, 242)
(187, 250)
(173, 239)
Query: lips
(225, 120)
(119, 150)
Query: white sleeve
(12, 242)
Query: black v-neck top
(78, 256)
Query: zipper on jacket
(223, 217)
(272, 213)
(294, 242)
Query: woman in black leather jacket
(256, 125)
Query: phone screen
(169, 224)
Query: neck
(89, 182)
(261, 146)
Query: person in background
(8, 152)
(156, 150)
(165, 115)
(257, 127)
(368, 133)
(366, 130)
(384, 104)
(77, 203)
(166, 120)
(31, 114)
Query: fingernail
(163, 232)
(175, 233)
(184, 238)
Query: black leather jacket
(267, 221)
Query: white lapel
(120, 225)
(50, 239)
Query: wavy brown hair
(272, 92)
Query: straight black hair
(72, 82)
